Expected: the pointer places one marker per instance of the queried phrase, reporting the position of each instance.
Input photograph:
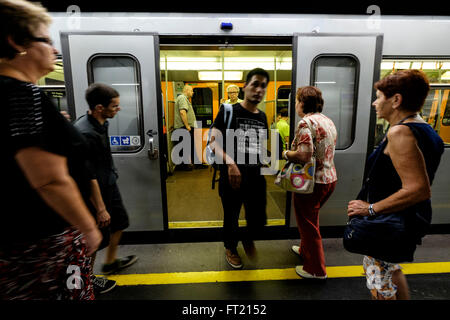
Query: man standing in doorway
(104, 104)
(184, 118)
(240, 180)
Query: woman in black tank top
(403, 168)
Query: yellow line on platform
(262, 274)
(217, 223)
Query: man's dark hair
(284, 112)
(257, 71)
(99, 93)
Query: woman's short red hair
(412, 84)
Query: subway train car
(149, 57)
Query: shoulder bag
(298, 177)
(388, 237)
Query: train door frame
(313, 45)
(148, 100)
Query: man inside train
(283, 127)
(104, 104)
(241, 181)
(184, 118)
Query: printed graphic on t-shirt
(250, 135)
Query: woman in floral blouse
(316, 134)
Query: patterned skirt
(379, 277)
(54, 268)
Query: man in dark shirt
(103, 104)
(241, 181)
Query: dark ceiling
(391, 7)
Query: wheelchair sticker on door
(125, 140)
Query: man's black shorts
(116, 209)
(114, 205)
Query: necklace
(405, 118)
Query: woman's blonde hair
(18, 19)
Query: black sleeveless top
(383, 179)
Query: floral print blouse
(321, 140)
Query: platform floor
(198, 271)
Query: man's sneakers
(233, 259)
(119, 264)
(306, 275)
(102, 285)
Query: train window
(435, 109)
(202, 103)
(122, 73)
(283, 97)
(446, 117)
(54, 78)
(57, 95)
(336, 76)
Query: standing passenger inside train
(233, 94)
(402, 174)
(316, 135)
(184, 118)
(47, 232)
(104, 104)
(282, 126)
(240, 180)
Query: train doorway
(128, 62)
(216, 68)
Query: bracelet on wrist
(372, 212)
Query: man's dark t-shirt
(29, 119)
(99, 150)
(248, 132)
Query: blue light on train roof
(226, 26)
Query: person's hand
(358, 208)
(234, 176)
(103, 218)
(93, 238)
(66, 115)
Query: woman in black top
(47, 232)
(403, 168)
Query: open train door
(344, 67)
(129, 62)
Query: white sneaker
(304, 274)
(296, 249)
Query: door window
(122, 73)
(336, 77)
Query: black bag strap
(228, 115)
(363, 193)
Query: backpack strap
(227, 116)
(228, 109)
